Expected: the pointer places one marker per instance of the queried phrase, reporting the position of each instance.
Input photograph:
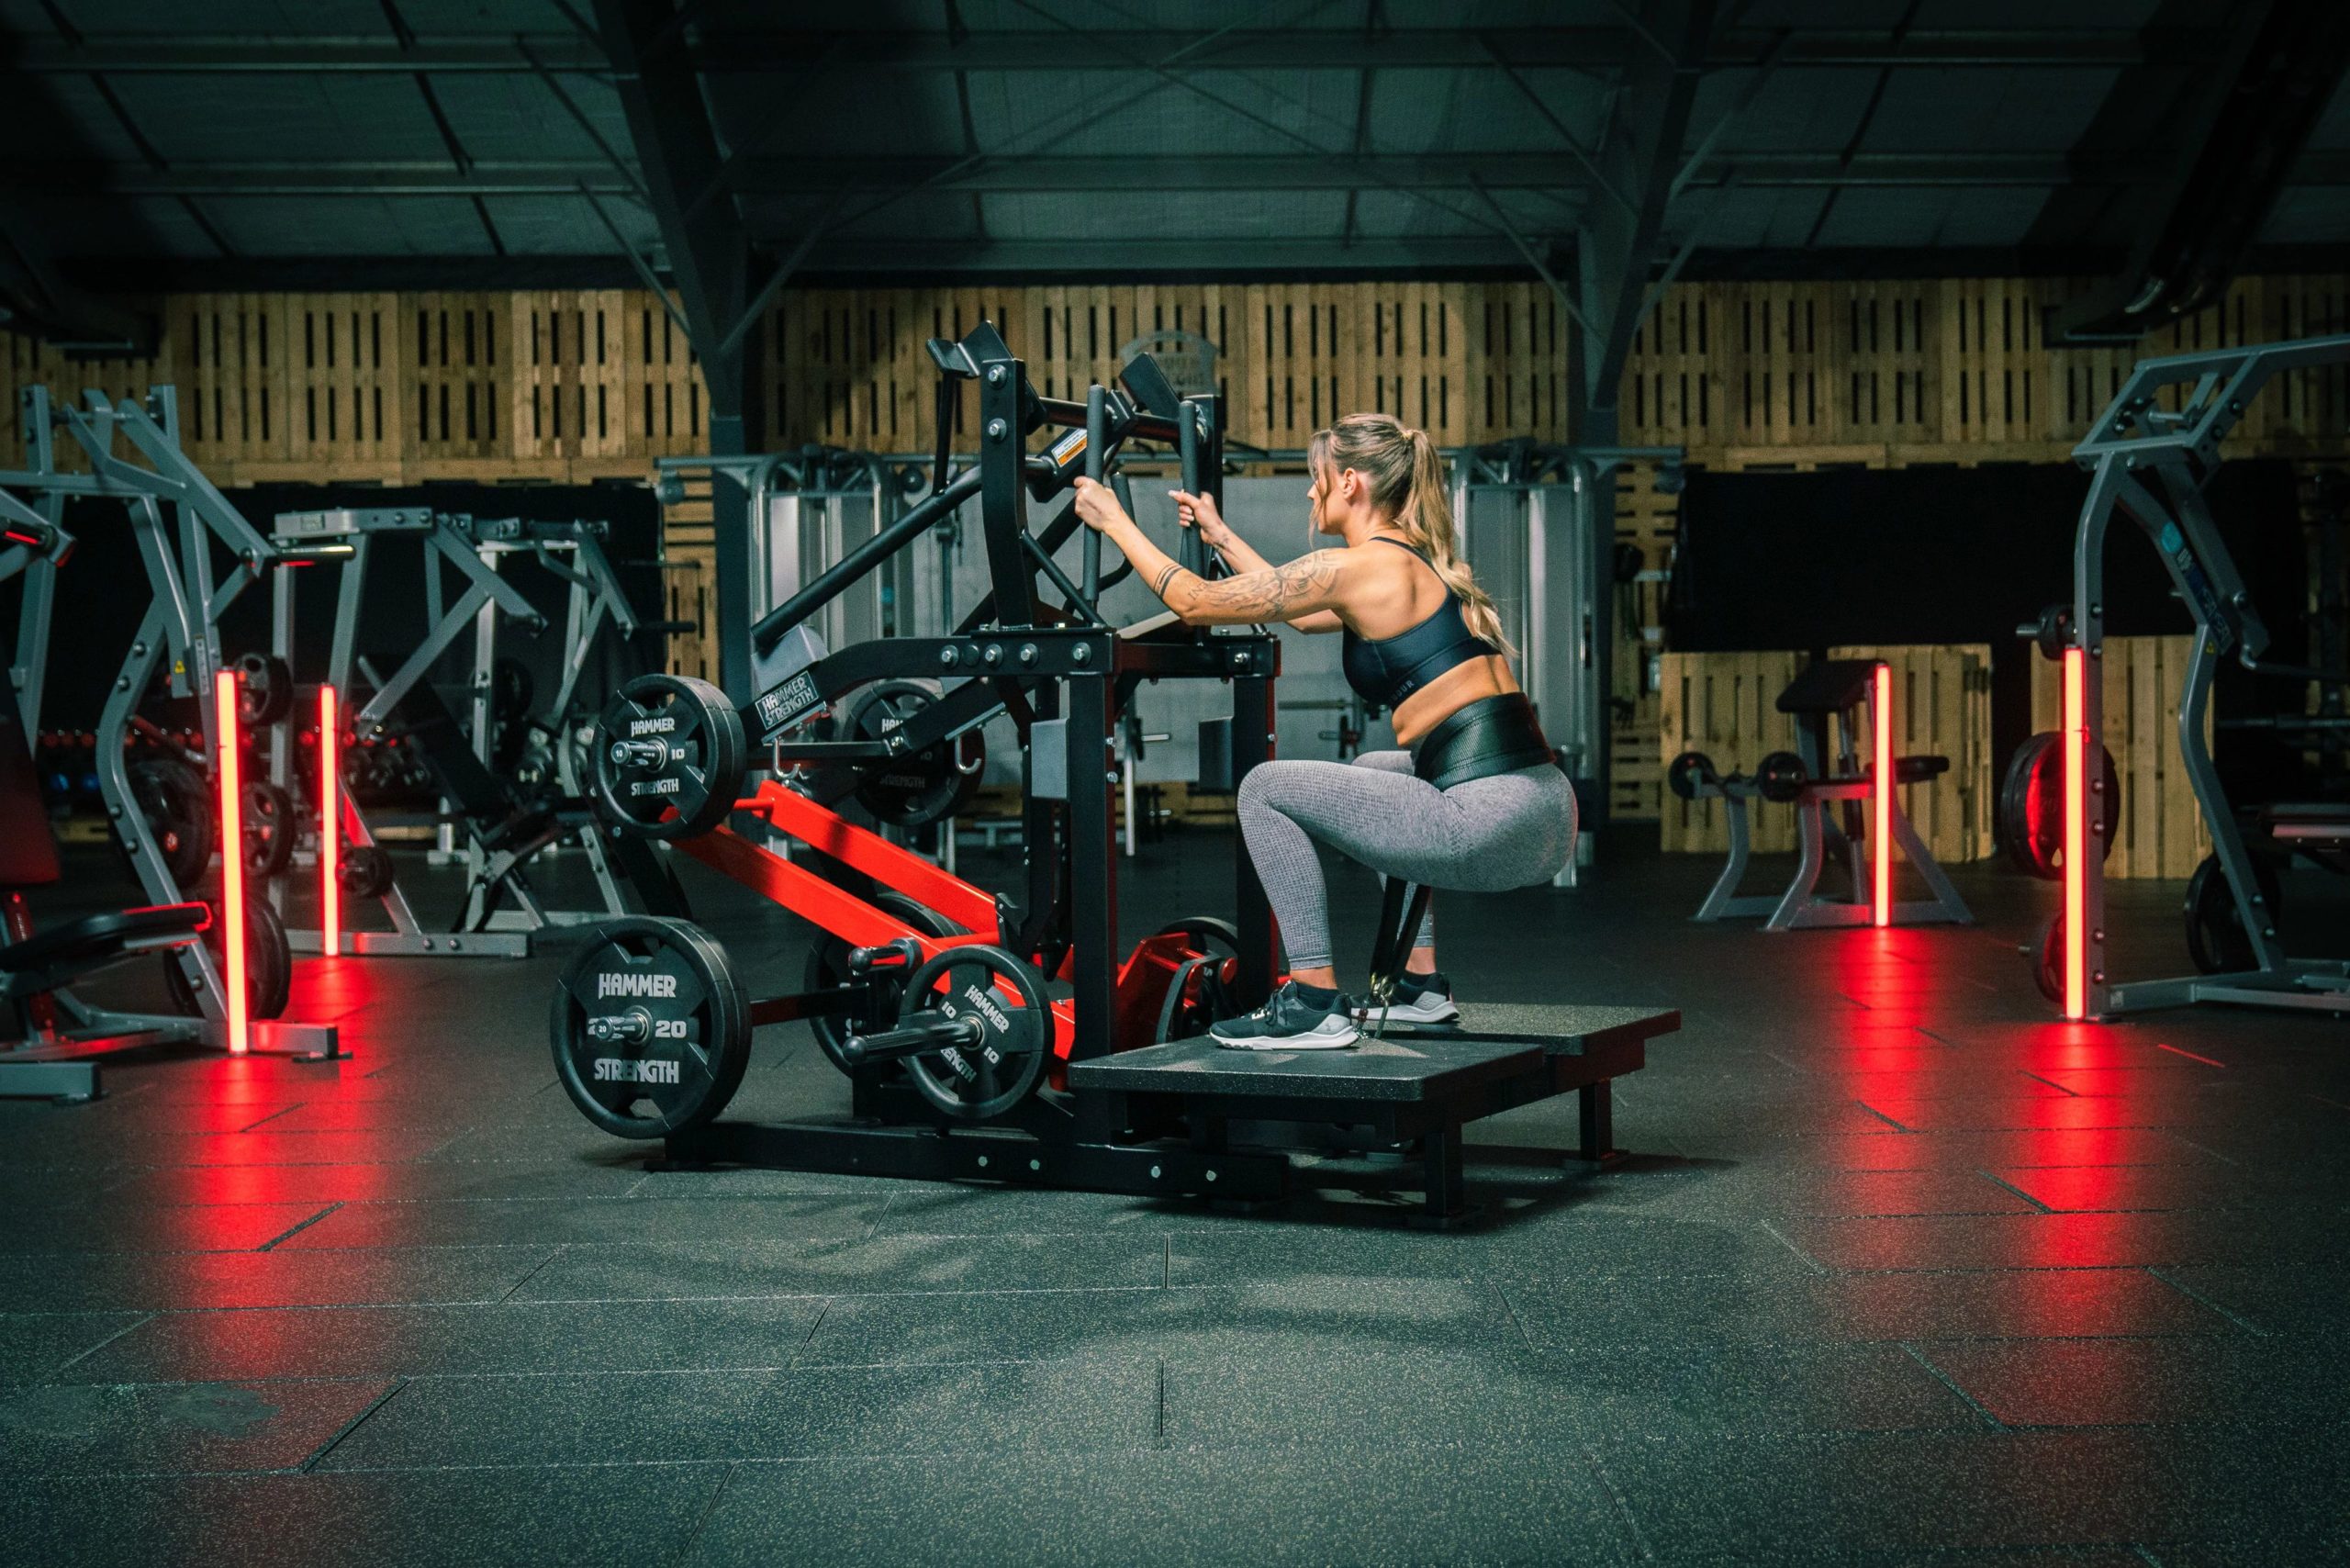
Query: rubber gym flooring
(1899, 1272)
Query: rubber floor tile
(526, 1519)
(1604, 1312)
(850, 1266)
(2083, 1383)
(586, 1222)
(1386, 1505)
(669, 1416)
(2059, 1240)
(1196, 1321)
(362, 1182)
(174, 1428)
(109, 1223)
(158, 1281)
(33, 1344)
(504, 1337)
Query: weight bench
(1828, 812)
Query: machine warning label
(628, 983)
(609, 1069)
(1068, 447)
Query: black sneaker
(1291, 1022)
(1415, 1001)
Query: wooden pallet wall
(1726, 706)
(1468, 363)
(2162, 831)
(396, 388)
(1951, 371)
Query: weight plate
(269, 962)
(1781, 777)
(2217, 940)
(510, 689)
(268, 828)
(919, 787)
(669, 758)
(982, 1081)
(264, 690)
(650, 1027)
(364, 872)
(1687, 773)
(828, 964)
(2031, 807)
(176, 805)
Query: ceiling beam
(677, 152)
(1408, 48)
(1615, 247)
(826, 178)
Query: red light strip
(1881, 850)
(330, 824)
(2076, 847)
(232, 860)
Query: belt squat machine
(942, 1003)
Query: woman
(1475, 803)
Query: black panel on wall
(1928, 555)
(102, 592)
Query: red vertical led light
(233, 859)
(2076, 847)
(1881, 845)
(330, 824)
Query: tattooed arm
(1305, 589)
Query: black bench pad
(1409, 1064)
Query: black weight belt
(1490, 736)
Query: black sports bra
(1386, 670)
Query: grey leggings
(1511, 830)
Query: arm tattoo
(1173, 570)
(1276, 594)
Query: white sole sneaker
(1428, 1009)
(1336, 1039)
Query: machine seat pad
(77, 944)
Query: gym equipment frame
(1836, 691)
(2152, 464)
(177, 638)
(983, 1077)
(499, 838)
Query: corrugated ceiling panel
(1234, 215)
(281, 118)
(840, 114)
(520, 120)
(1986, 111)
(352, 226)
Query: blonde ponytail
(1406, 479)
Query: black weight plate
(364, 871)
(650, 1029)
(982, 1082)
(828, 963)
(694, 782)
(176, 805)
(268, 828)
(264, 690)
(2217, 940)
(1687, 772)
(918, 788)
(2031, 807)
(510, 689)
(269, 962)
(2048, 963)
(1781, 777)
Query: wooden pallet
(1725, 705)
